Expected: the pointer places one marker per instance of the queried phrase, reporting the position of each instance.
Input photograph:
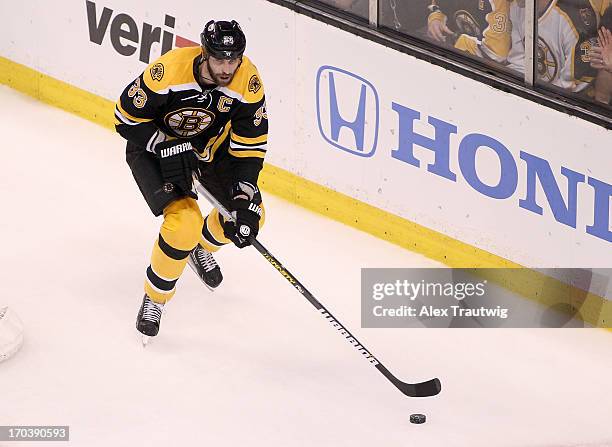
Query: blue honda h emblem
(347, 111)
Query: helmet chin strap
(205, 60)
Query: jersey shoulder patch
(173, 68)
(254, 84)
(157, 71)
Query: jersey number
(260, 115)
(140, 97)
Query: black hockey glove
(178, 160)
(244, 205)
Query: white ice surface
(253, 363)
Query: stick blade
(424, 389)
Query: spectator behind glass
(356, 7)
(601, 59)
(406, 17)
(478, 27)
(567, 30)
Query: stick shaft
(423, 389)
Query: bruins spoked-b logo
(157, 71)
(189, 122)
(254, 84)
(547, 65)
(467, 24)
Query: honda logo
(347, 111)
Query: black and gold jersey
(166, 101)
(583, 18)
(482, 27)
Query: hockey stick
(423, 389)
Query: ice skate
(204, 265)
(149, 318)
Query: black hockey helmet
(223, 40)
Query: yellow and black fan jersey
(482, 27)
(166, 101)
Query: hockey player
(195, 109)
(479, 27)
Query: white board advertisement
(527, 183)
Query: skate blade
(145, 340)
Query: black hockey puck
(417, 418)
